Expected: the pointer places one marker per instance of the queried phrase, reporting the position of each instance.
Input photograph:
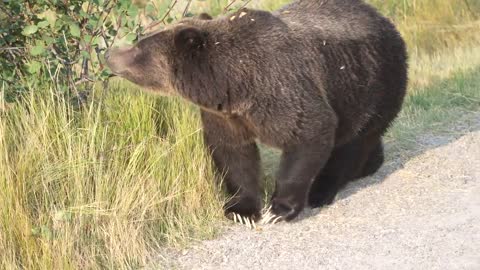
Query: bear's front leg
(236, 157)
(299, 166)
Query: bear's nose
(107, 54)
(121, 59)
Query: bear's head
(151, 62)
(211, 63)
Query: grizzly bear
(320, 80)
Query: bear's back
(334, 19)
(360, 56)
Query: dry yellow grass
(102, 187)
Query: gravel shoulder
(420, 211)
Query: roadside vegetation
(102, 180)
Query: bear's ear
(204, 16)
(190, 38)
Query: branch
(83, 80)
(186, 8)
(228, 6)
(6, 12)
(63, 61)
(246, 3)
(12, 48)
(163, 19)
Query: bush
(63, 41)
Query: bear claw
(249, 222)
(270, 218)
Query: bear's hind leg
(374, 162)
(298, 166)
(346, 163)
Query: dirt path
(421, 211)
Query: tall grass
(432, 25)
(102, 186)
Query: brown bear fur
(320, 80)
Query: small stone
(252, 20)
(232, 18)
(342, 67)
(242, 14)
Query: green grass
(105, 185)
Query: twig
(186, 8)
(84, 72)
(163, 19)
(63, 61)
(98, 51)
(12, 48)
(119, 22)
(83, 80)
(246, 3)
(228, 6)
(6, 12)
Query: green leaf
(112, 32)
(29, 30)
(74, 30)
(93, 21)
(150, 8)
(48, 40)
(87, 38)
(34, 67)
(42, 231)
(132, 11)
(85, 54)
(131, 37)
(43, 24)
(48, 15)
(85, 6)
(37, 50)
(106, 73)
(62, 216)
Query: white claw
(268, 217)
(247, 221)
(265, 209)
(276, 220)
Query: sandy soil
(420, 211)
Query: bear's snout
(120, 60)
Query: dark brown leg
(346, 163)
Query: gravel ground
(420, 211)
